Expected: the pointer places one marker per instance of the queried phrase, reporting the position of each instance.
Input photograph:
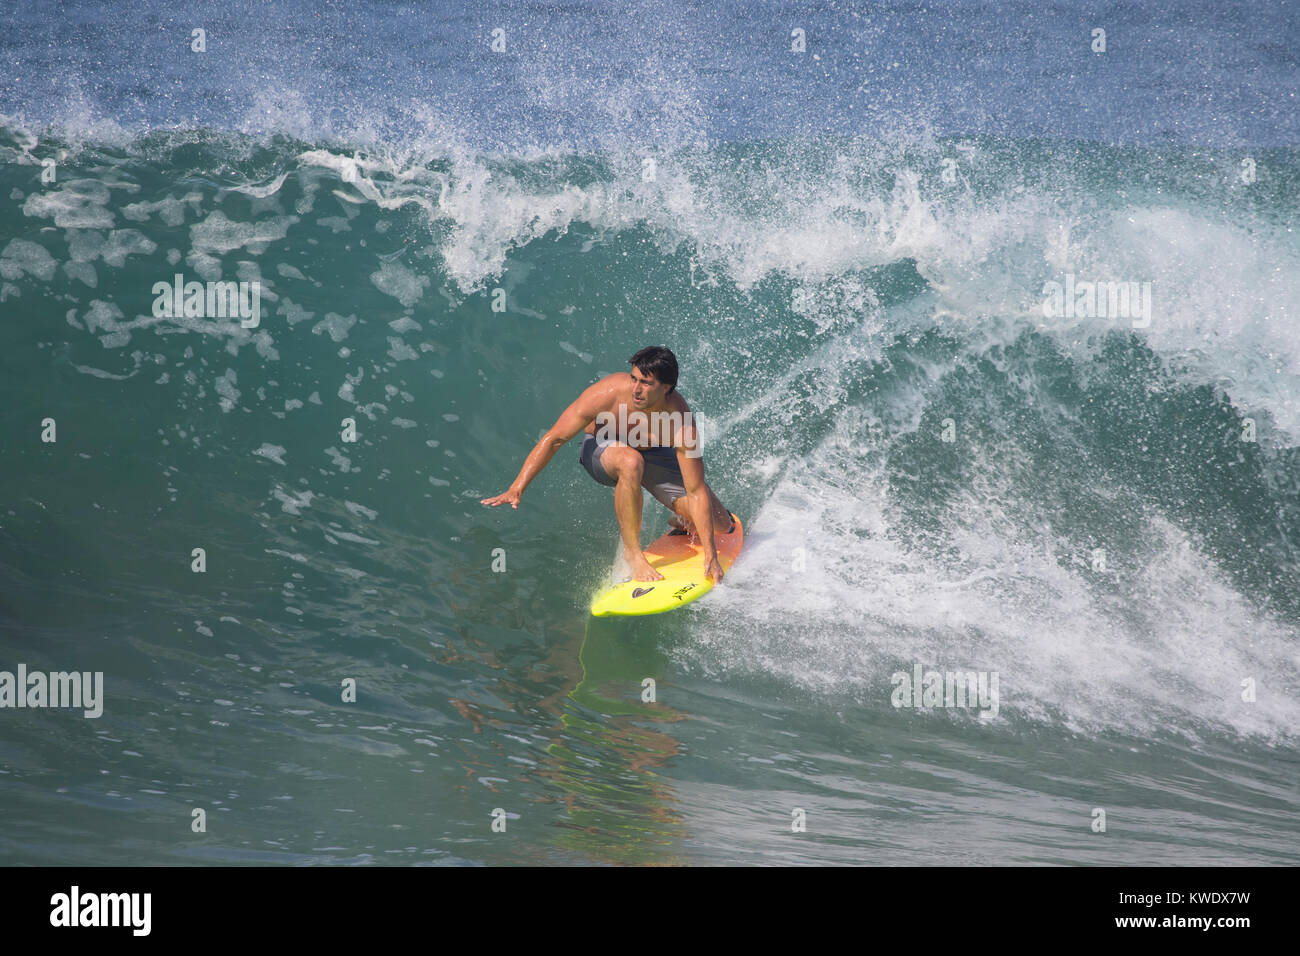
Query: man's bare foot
(641, 570)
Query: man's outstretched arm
(574, 419)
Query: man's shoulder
(608, 384)
(613, 380)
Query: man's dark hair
(658, 361)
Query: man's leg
(626, 465)
(681, 508)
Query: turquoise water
(931, 471)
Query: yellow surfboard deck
(680, 559)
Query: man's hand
(510, 497)
(714, 570)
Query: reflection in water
(619, 809)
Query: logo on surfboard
(640, 592)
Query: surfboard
(680, 559)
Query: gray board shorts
(661, 476)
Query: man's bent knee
(623, 463)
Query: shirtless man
(659, 450)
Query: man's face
(646, 389)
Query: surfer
(639, 434)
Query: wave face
(855, 260)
